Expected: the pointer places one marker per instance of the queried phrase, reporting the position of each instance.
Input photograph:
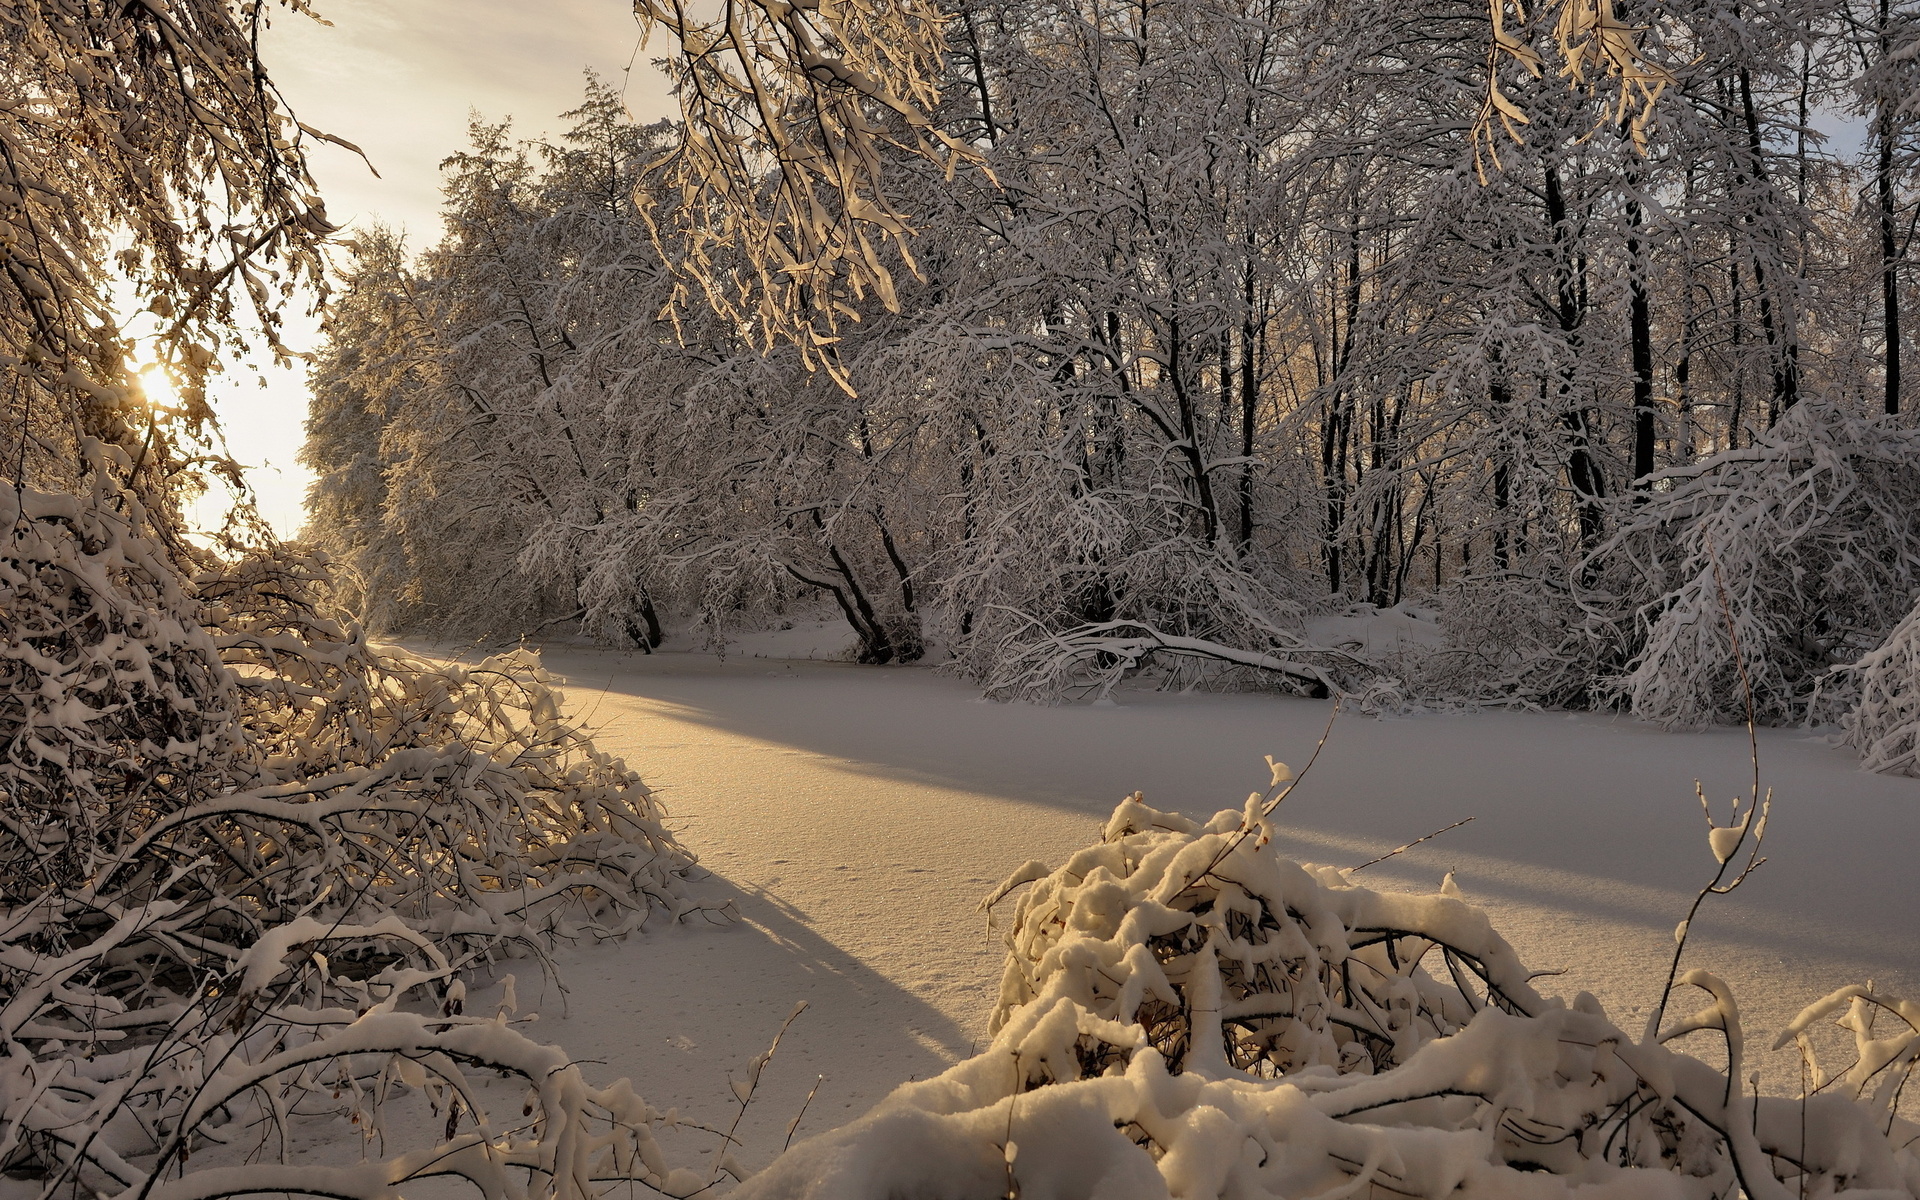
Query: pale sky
(399, 79)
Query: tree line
(1219, 317)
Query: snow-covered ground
(856, 816)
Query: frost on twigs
(1186, 1013)
(245, 859)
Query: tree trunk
(1640, 322)
(1889, 220)
(1249, 406)
(1783, 354)
(1583, 470)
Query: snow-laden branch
(1094, 658)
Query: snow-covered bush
(1515, 639)
(1804, 543)
(1186, 1013)
(246, 859)
(1884, 722)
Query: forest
(1064, 347)
(1229, 318)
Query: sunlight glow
(157, 388)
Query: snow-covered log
(1092, 659)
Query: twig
(1746, 824)
(795, 1123)
(1318, 746)
(1410, 845)
(751, 1084)
(1270, 801)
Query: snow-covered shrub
(246, 858)
(1884, 722)
(1186, 1013)
(1224, 954)
(1515, 639)
(112, 696)
(1804, 542)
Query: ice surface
(858, 815)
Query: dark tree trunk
(1583, 470)
(1640, 322)
(1783, 355)
(645, 635)
(1500, 397)
(1190, 447)
(1889, 220)
(1249, 413)
(1337, 431)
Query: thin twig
(1410, 845)
(795, 1123)
(753, 1085)
(1270, 800)
(1747, 823)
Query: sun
(157, 387)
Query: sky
(401, 79)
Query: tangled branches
(1226, 956)
(1884, 723)
(1811, 530)
(1184, 1012)
(240, 840)
(144, 155)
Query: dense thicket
(246, 859)
(1236, 321)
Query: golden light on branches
(778, 184)
(144, 154)
(793, 108)
(1596, 49)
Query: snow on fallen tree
(1186, 1013)
(245, 860)
(1093, 659)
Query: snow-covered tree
(145, 158)
(1229, 315)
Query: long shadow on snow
(1583, 813)
(681, 1010)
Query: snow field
(856, 817)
